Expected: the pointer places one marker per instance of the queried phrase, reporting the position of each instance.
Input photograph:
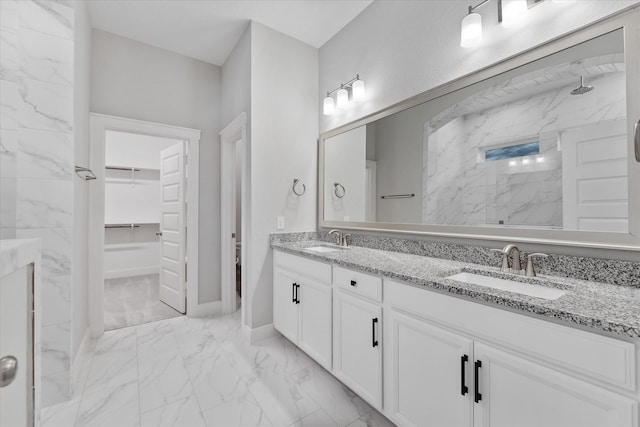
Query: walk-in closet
(145, 227)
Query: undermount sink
(323, 249)
(509, 285)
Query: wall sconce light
(355, 86)
(510, 13)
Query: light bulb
(471, 30)
(358, 90)
(514, 12)
(328, 107)
(525, 161)
(342, 98)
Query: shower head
(582, 89)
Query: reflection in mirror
(543, 145)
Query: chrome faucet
(515, 258)
(510, 267)
(515, 267)
(342, 239)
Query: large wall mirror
(536, 148)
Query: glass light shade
(358, 90)
(471, 31)
(342, 98)
(514, 12)
(328, 107)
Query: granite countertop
(16, 253)
(599, 306)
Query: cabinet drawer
(318, 271)
(588, 354)
(358, 283)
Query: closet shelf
(130, 169)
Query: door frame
(99, 124)
(233, 136)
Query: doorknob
(8, 370)
(158, 233)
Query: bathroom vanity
(510, 153)
(428, 350)
(19, 332)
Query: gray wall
(284, 132)
(399, 166)
(402, 48)
(274, 79)
(138, 81)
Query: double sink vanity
(434, 342)
(432, 331)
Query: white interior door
(594, 178)
(172, 227)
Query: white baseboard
(260, 333)
(79, 366)
(206, 309)
(130, 272)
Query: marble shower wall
(463, 189)
(37, 162)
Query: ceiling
(209, 29)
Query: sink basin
(323, 249)
(509, 285)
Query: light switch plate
(280, 223)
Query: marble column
(37, 149)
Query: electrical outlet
(346, 218)
(280, 223)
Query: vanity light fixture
(510, 13)
(355, 86)
(342, 97)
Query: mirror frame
(629, 21)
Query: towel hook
(336, 186)
(293, 188)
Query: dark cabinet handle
(478, 397)
(374, 342)
(463, 387)
(353, 283)
(293, 292)
(297, 296)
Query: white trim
(254, 335)
(234, 133)
(206, 309)
(99, 124)
(129, 272)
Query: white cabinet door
(431, 371)
(357, 341)
(16, 333)
(285, 306)
(315, 321)
(517, 393)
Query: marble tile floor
(186, 372)
(130, 301)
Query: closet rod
(121, 225)
(120, 168)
